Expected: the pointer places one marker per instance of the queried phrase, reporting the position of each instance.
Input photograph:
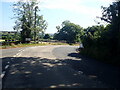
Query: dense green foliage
(28, 20)
(103, 43)
(8, 36)
(69, 32)
(47, 36)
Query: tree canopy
(69, 32)
(104, 42)
(47, 36)
(28, 20)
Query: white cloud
(59, 4)
(51, 1)
(76, 6)
(67, 3)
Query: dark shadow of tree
(104, 72)
(35, 72)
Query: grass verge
(32, 44)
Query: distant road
(53, 67)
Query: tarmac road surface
(55, 66)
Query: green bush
(101, 48)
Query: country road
(55, 66)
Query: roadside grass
(33, 44)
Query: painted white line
(20, 50)
(3, 74)
(18, 54)
(14, 56)
(23, 50)
(6, 66)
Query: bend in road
(56, 66)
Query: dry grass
(34, 44)
(30, 44)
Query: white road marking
(18, 54)
(19, 50)
(14, 56)
(3, 74)
(6, 66)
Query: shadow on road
(97, 70)
(38, 73)
(77, 55)
(42, 72)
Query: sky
(81, 12)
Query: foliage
(11, 36)
(47, 36)
(27, 19)
(69, 32)
(91, 35)
(103, 43)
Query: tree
(103, 43)
(91, 35)
(58, 28)
(64, 23)
(111, 15)
(47, 36)
(69, 32)
(27, 19)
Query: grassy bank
(32, 44)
